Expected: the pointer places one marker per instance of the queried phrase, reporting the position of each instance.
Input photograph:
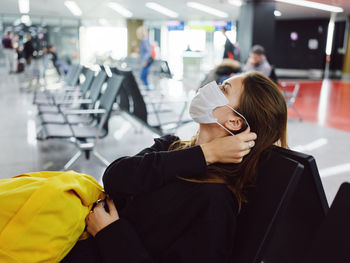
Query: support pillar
(346, 65)
(132, 25)
(256, 26)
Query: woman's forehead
(235, 80)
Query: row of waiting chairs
(84, 125)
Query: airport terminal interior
(56, 54)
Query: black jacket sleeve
(152, 168)
(208, 239)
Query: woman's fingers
(243, 136)
(250, 144)
(247, 130)
(112, 208)
(99, 218)
(239, 157)
(229, 148)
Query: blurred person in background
(145, 54)
(60, 65)
(15, 41)
(258, 62)
(9, 52)
(231, 50)
(53, 56)
(28, 49)
(227, 68)
(155, 50)
(20, 59)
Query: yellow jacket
(42, 214)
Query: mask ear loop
(225, 128)
(240, 115)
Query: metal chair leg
(72, 160)
(101, 158)
(297, 112)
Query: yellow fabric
(42, 214)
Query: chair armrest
(80, 101)
(168, 101)
(79, 112)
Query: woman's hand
(229, 149)
(98, 218)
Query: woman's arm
(152, 168)
(155, 166)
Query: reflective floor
(326, 103)
(323, 133)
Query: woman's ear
(234, 124)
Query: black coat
(28, 49)
(163, 218)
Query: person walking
(9, 52)
(145, 54)
(230, 51)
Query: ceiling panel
(98, 9)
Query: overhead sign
(175, 25)
(222, 24)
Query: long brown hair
(263, 105)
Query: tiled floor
(326, 137)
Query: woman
(178, 201)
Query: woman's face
(232, 88)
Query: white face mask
(206, 100)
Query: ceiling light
(330, 33)
(25, 19)
(119, 9)
(330, 8)
(277, 13)
(73, 7)
(104, 22)
(207, 9)
(235, 2)
(161, 9)
(23, 6)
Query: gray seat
(277, 178)
(158, 121)
(331, 242)
(85, 136)
(90, 102)
(83, 93)
(48, 97)
(283, 211)
(302, 218)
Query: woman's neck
(209, 132)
